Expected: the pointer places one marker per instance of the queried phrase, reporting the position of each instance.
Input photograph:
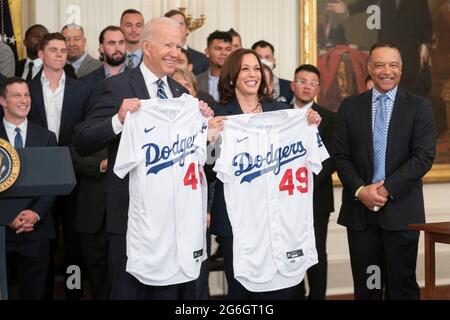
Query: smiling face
(76, 43)
(16, 103)
(249, 78)
(385, 68)
(162, 51)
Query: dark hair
(230, 72)
(219, 35)
(27, 33)
(308, 68)
(175, 12)
(7, 82)
(188, 56)
(263, 44)
(49, 37)
(101, 37)
(129, 11)
(384, 44)
(233, 33)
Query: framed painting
(336, 35)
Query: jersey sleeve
(125, 159)
(223, 151)
(201, 139)
(317, 151)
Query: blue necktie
(18, 141)
(380, 139)
(161, 93)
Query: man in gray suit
(77, 56)
(7, 64)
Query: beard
(114, 61)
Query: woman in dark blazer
(242, 86)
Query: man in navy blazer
(59, 104)
(383, 194)
(28, 235)
(92, 175)
(103, 128)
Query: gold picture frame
(439, 173)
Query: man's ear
(190, 67)
(2, 102)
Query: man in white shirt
(77, 56)
(161, 44)
(28, 235)
(59, 104)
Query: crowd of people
(381, 142)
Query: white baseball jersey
(163, 147)
(266, 164)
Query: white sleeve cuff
(117, 126)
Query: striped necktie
(161, 93)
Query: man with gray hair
(77, 56)
(161, 42)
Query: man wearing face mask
(282, 88)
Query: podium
(43, 172)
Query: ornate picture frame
(308, 13)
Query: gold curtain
(15, 7)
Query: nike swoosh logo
(148, 130)
(240, 140)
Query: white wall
(273, 20)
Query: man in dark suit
(282, 88)
(59, 104)
(92, 175)
(306, 87)
(384, 144)
(28, 235)
(198, 59)
(407, 24)
(103, 127)
(29, 67)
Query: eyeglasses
(312, 83)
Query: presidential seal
(9, 165)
